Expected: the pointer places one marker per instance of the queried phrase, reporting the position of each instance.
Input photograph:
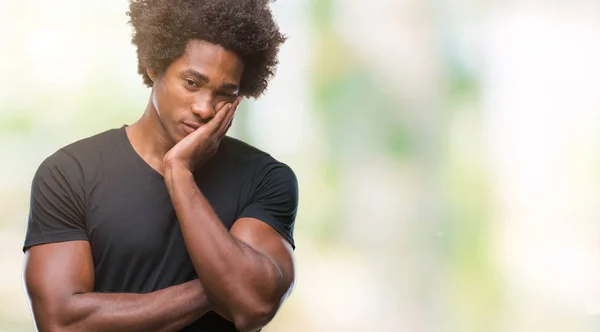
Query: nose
(203, 107)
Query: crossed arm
(247, 272)
(59, 281)
(244, 274)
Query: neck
(149, 139)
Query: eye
(191, 83)
(227, 95)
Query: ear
(151, 74)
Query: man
(168, 224)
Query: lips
(190, 127)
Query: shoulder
(257, 163)
(235, 150)
(84, 147)
(272, 189)
(80, 155)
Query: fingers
(215, 123)
(228, 120)
(224, 130)
(229, 124)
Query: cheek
(168, 99)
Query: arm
(248, 272)
(59, 283)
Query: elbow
(51, 325)
(51, 319)
(254, 318)
(55, 329)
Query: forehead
(211, 60)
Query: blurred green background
(447, 153)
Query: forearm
(238, 280)
(169, 309)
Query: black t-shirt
(100, 190)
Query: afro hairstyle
(163, 28)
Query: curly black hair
(163, 28)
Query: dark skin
(59, 282)
(244, 274)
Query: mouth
(190, 127)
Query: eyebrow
(205, 79)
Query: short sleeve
(57, 202)
(275, 199)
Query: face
(194, 87)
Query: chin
(177, 138)
(174, 135)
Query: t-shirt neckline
(136, 158)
